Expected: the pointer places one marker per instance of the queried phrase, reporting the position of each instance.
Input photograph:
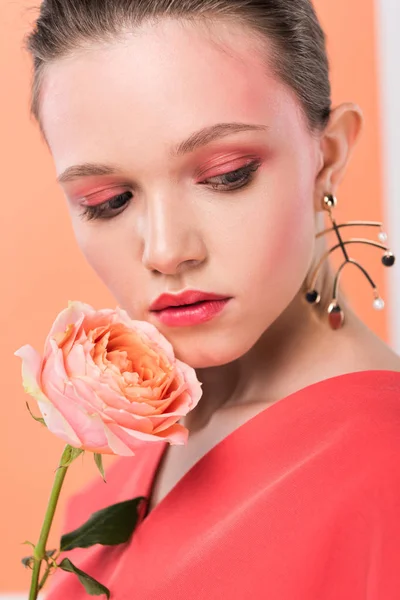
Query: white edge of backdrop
(388, 48)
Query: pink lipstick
(188, 308)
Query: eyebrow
(196, 140)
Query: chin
(209, 353)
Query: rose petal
(74, 314)
(57, 424)
(55, 421)
(117, 445)
(84, 393)
(31, 367)
(161, 423)
(149, 330)
(194, 384)
(78, 361)
(177, 434)
(134, 422)
(89, 427)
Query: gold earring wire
(336, 315)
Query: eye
(235, 179)
(100, 211)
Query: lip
(188, 308)
(183, 298)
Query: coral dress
(301, 502)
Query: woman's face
(182, 220)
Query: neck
(299, 348)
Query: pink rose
(107, 383)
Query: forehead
(161, 83)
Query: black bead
(388, 260)
(312, 297)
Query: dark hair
(290, 27)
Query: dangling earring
(336, 315)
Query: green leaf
(93, 587)
(69, 455)
(110, 526)
(39, 419)
(98, 459)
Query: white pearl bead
(383, 236)
(378, 304)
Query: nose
(172, 240)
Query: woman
(197, 149)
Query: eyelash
(99, 212)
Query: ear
(337, 143)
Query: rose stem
(40, 548)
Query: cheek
(292, 238)
(110, 255)
(276, 245)
(96, 249)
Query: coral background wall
(42, 267)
